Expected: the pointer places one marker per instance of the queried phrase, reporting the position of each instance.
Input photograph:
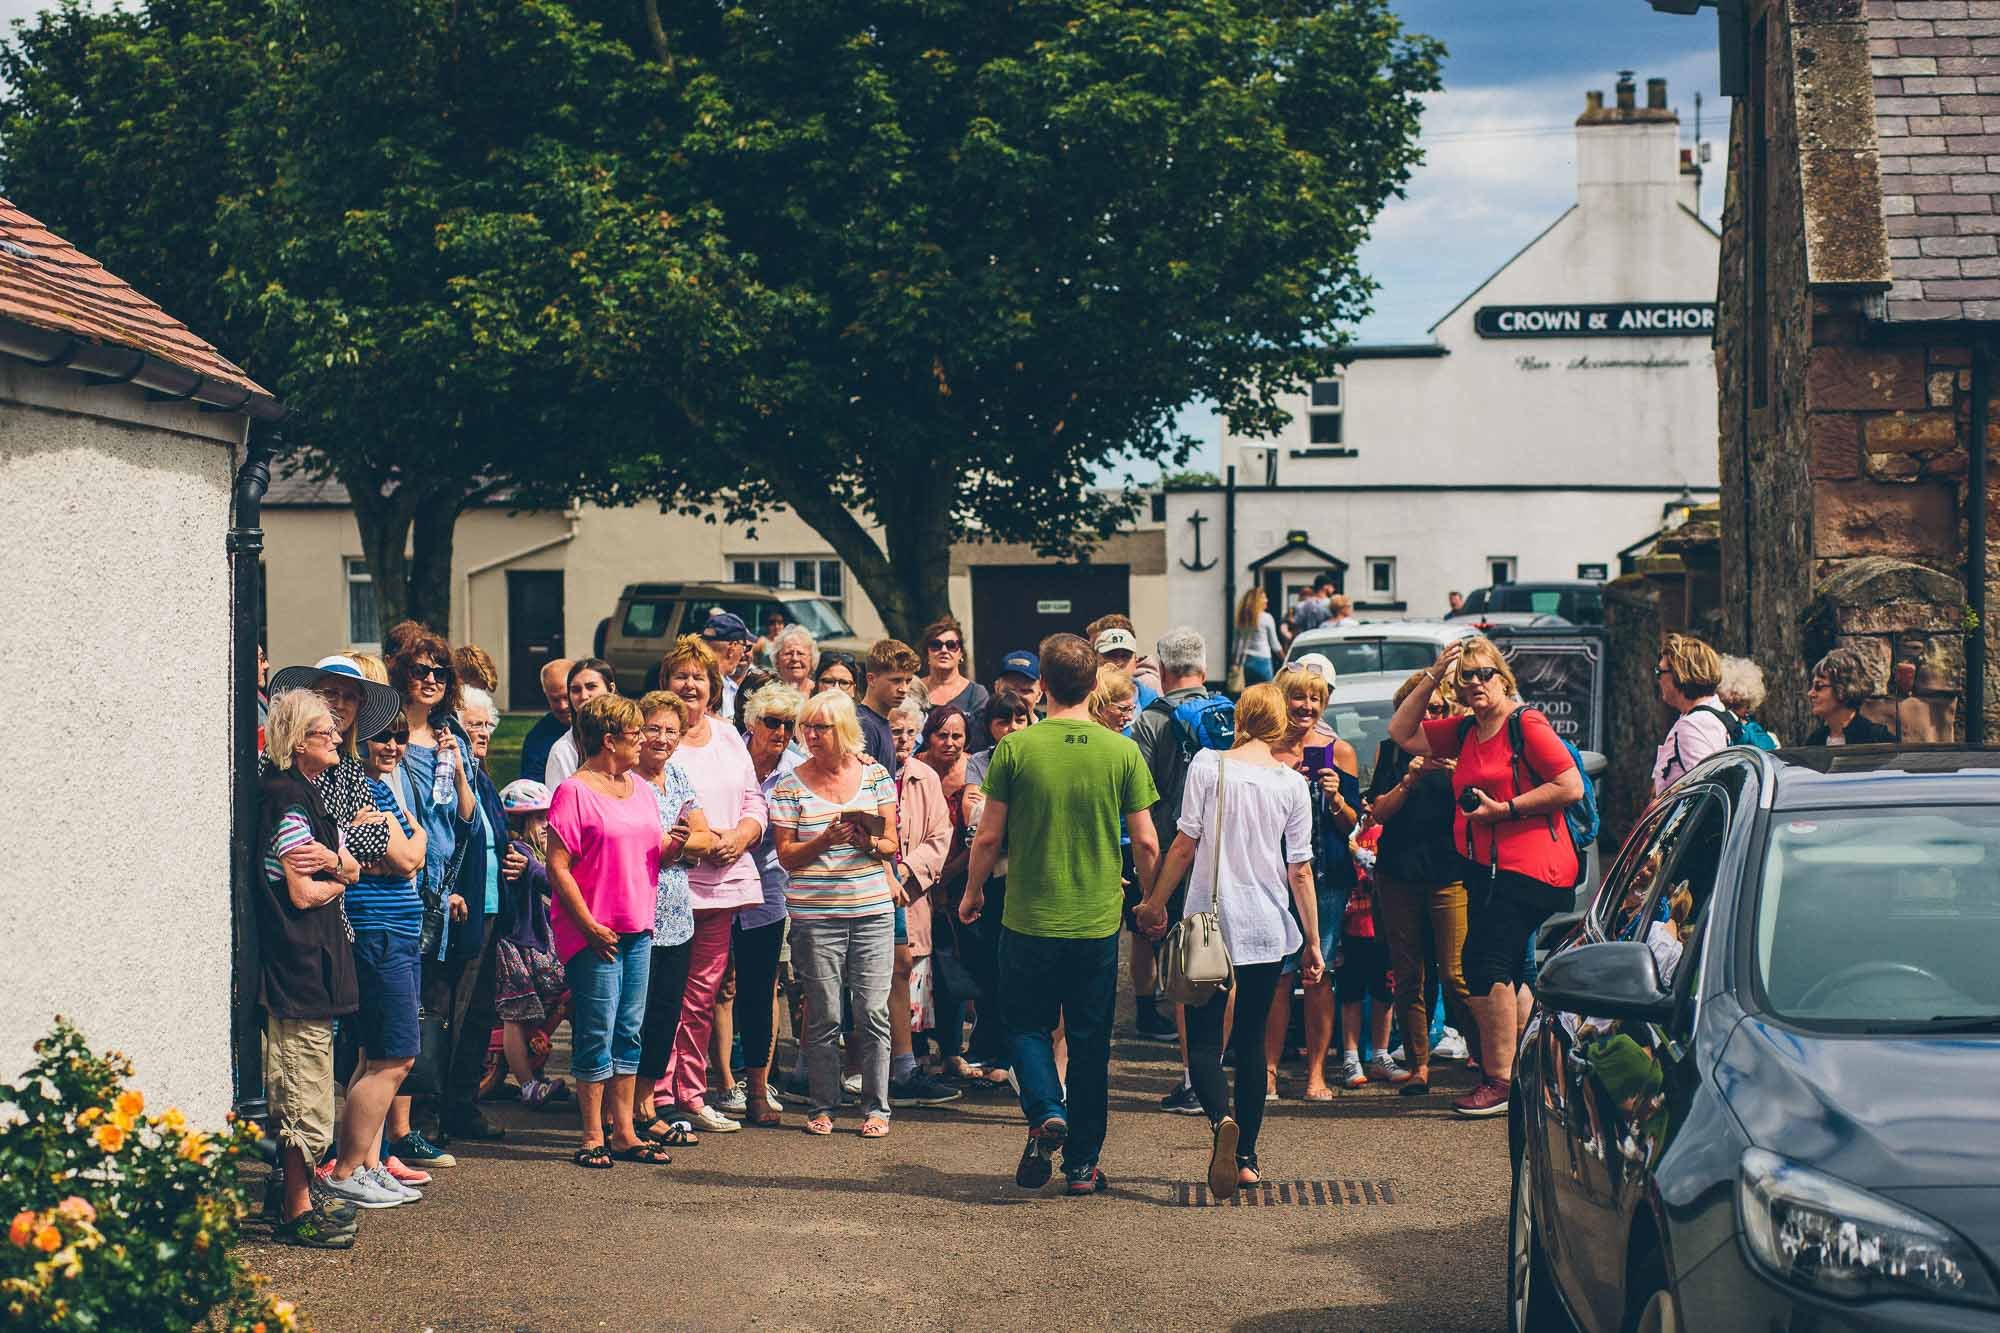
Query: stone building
(1857, 306)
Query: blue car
(1761, 1087)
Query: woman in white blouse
(1258, 853)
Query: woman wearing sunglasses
(945, 682)
(1520, 867)
(1419, 883)
(768, 718)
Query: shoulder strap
(1215, 840)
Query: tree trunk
(384, 521)
(430, 557)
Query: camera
(1468, 800)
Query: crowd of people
(929, 880)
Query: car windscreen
(1363, 725)
(816, 614)
(1354, 657)
(1882, 918)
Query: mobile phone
(1468, 800)
(1317, 760)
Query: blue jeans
(607, 1008)
(1256, 670)
(1043, 981)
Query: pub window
(743, 571)
(1500, 569)
(1324, 412)
(362, 628)
(1381, 578)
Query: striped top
(381, 901)
(293, 832)
(844, 882)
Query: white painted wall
(114, 744)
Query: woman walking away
(724, 880)
(1840, 685)
(760, 930)
(605, 845)
(664, 716)
(529, 985)
(945, 683)
(1521, 866)
(1246, 831)
(1257, 646)
(835, 817)
(1419, 884)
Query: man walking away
(1166, 749)
(1055, 793)
(553, 724)
(1313, 609)
(892, 665)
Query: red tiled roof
(48, 283)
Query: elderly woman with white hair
(834, 821)
(793, 657)
(1742, 692)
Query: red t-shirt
(1536, 845)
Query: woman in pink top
(605, 843)
(722, 882)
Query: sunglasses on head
(1478, 675)
(437, 673)
(400, 736)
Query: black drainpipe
(1975, 546)
(245, 545)
(1228, 653)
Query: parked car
(1576, 601)
(1397, 647)
(649, 616)
(1758, 1087)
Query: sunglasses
(1478, 675)
(774, 723)
(944, 645)
(401, 737)
(437, 673)
(1436, 709)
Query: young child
(1363, 974)
(529, 989)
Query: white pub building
(1557, 414)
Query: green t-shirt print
(1066, 783)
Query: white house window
(805, 573)
(1381, 578)
(1323, 414)
(362, 631)
(1500, 569)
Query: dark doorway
(534, 632)
(1016, 606)
(1281, 586)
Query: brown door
(1017, 606)
(534, 632)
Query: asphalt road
(926, 1229)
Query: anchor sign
(1196, 520)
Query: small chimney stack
(1593, 101)
(1626, 88)
(1656, 94)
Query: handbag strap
(1215, 840)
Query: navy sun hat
(1021, 662)
(726, 627)
(379, 704)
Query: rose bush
(119, 1220)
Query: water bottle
(444, 789)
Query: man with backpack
(1185, 720)
(1688, 673)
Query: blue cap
(726, 627)
(1021, 662)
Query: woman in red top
(1522, 868)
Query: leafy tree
(1016, 238)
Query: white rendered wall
(114, 743)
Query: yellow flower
(48, 1240)
(109, 1137)
(69, 1261)
(201, 1241)
(173, 1120)
(128, 1123)
(89, 1116)
(77, 1209)
(22, 1229)
(287, 1313)
(131, 1102)
(195, 1146)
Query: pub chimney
(1627, 151)
(1656, 94)
(1625, 90)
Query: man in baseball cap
(729, 639)
(1120, 649)
(1021, 672)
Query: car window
(1629, 886)
(821, 619)
(1474, 601)
(1363, 725)
(1588, 608)
(1881, 917)
(1408, 655)
(1354, 657)
(647, 620)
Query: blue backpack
(1204, 723)
(1754, 734)
(1581, 818)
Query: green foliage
(118, 1220)
(1187, 481)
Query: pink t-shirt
(615, 858)
(726, 781)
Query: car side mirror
(1610, 979)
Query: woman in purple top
(605, 844)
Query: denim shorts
(387, 972)
(607, 1008)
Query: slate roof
(48, 283)
(1936, 68)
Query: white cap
(1115, 640)
(1318, 663)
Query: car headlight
(1837, 1240)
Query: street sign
(1596, 573)
(1560, 672)
(1052, 607)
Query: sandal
(821, 1124)
(650, 1153)
(874, 1127)
(597, 1157)
(1317, 1094)
(670, 1133)
(764, 1119)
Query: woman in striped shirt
(834, 817)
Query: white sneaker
(380, 1175)
(1451, 1046)
(714, 1121)
(771, 1100)
(1351, 1073)
(735, 1101)
(1396, 1054)
(1384, 1069)
(361, 1190)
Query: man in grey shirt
(1314, 608)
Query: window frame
(825, 571)
(1375, 594)
(1513, 564)
(1334, 412)
(372, 641)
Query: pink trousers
(687, 1066)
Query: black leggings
(757, 952)
(1502, 913)
(665, 985)
(979, 950)
(1256, 983)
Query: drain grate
(1292, 1194)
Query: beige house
(120, 432)
(531, 583)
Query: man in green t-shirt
(1055, 794)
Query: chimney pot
(1594, 100)
(1626, 88)
(1656, 94)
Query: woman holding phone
(834, 818)
(1519, 865)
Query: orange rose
(48, 1240)
(131, 1102)
(128, 1123)
(194, 1147)
(22, 1229)
(109, 1137)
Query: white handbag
(1194, 962)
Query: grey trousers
(857, 957)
